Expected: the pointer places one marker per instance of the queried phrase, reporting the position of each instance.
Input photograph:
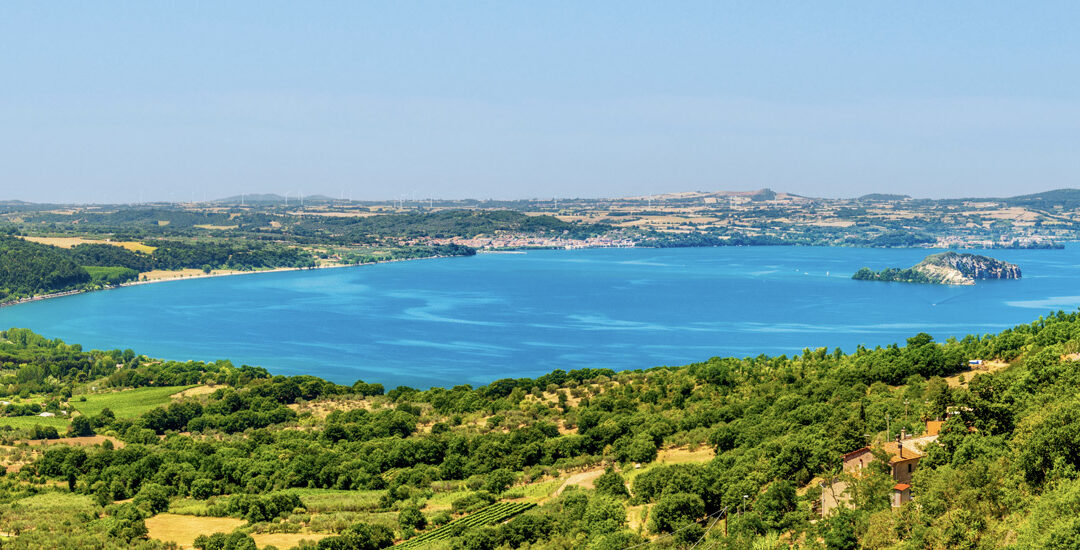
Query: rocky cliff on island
(946, 268)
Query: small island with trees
(945, 268)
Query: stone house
(903, 458)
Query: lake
(443, 322)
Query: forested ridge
(384, 228)
(29, 268)
(273, 451)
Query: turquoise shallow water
(472, 320)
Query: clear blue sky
(103, 101)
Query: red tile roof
(892, 449)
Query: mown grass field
(127, 403)
(182, 530)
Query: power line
(718, 514)
(711, 525)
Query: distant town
(762, 217)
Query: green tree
(153, 497)
(80, 427)
(410, 516)
(499, 481)
(675, 511)
(775, 503)
(611, 483)
(840, 532)
(604, 515)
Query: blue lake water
(472, 320)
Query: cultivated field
(128, 403)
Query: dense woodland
(1005, 471)
(176, 239)
(893, 275)
(29, 268)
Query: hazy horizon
(122, 103)
(419, 199)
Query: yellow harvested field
(221, 227)
(183, 530)
(322, 409)
(68, 242)
(1013, 213)
(197, 390)
(76, 441)
(62, 242)
(285, 540)
(134, 246)
(968, 373)
(680, 455)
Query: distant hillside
(28, 268)
(1066, 198)
(271, 198)
(883, 197)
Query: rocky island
(945, 268)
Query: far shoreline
(519, 250)
(201, 275)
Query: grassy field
(331, 500)
(52, 511)
(20, 422)
(127, 403)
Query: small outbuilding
(901, 493)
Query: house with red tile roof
(903, 458)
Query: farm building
(903, 454)
(902, 459)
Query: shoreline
(66, 293)
(520, 250)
